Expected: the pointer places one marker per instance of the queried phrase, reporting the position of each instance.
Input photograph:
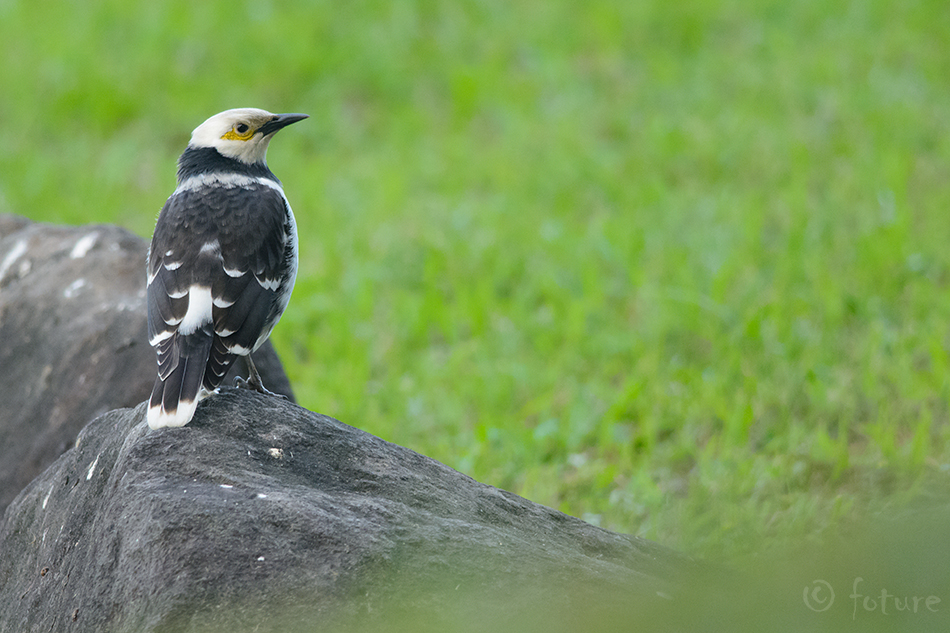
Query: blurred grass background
(680, 269)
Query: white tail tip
(159, 418)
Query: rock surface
(263, 516)
(74, 343)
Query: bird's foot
(256, 385)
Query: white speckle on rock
(276, 453)
(46, 498)
(226, 486)
(130, 306)
(83, 244)
(261, 495)
(14, 254)
(92, 467)
(73, 289)
(260, 559)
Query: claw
(254, 381)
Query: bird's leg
(254, 380)
(253, 377)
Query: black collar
(195, 161)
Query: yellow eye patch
(240, 132)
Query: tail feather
(175, 397)
(220, 360)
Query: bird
(221, 263)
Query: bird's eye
(239, 132)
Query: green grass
(678, 268)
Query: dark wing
(179, 313)
(246, 295)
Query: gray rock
(74, 343)
(263, 516)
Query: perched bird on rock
(222, 262)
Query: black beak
(280, 121)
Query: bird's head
(242, 133)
